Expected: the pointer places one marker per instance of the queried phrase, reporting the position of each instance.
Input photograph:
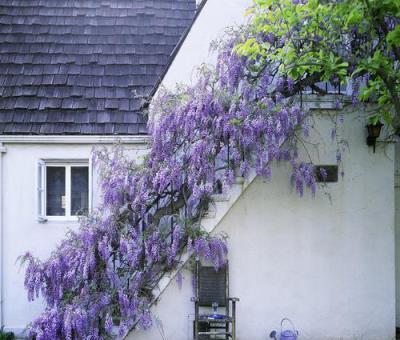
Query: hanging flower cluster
(98, 283)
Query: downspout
(2, 150)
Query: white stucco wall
(21, 230)
(327, 265)
(210, 25)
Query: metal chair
(213, 288)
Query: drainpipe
(2, 150)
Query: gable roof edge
(173, 55)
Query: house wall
(21, 230)
(397, 232)
(326, 263)
(214, 19)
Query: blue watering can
(285, 334)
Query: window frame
(43, 164)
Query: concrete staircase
(221, 206)
(224, 202)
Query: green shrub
(6, 335)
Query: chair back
(212, 286)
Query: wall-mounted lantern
(374, 131)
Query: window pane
(79, 190)
(55, 189)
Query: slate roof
(84, 66)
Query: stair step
(220, 197)
(239, 180)
(220, 207)
(209, 214)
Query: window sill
(50, 219)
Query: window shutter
(41, 191)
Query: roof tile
(84, 66)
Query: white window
(64, 189)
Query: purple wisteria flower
(202, 137)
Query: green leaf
(354, 17)
(393, 37)
(374, 119)
(387, 117)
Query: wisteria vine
(98, 283)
